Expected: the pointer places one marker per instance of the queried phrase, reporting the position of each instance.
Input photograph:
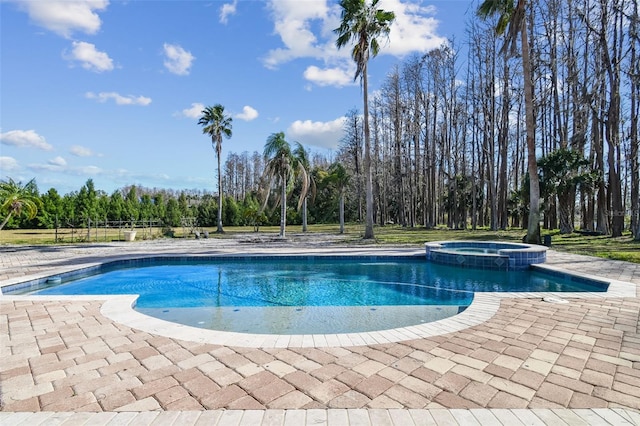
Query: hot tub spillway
(485, 254)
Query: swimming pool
(304, 294)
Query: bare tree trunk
(283, 206)
(565, 200)
(359, 178)
(503, 143)
(354, 151)
(579, 108)
(602, 223)
(342, 212)
(368, 229)
(433, 171)
(380, 186)
(489, 145)
(533, 228)
(419, 178)
(396, 120)
(219, 229)
(634, 73)
(612, 123)
(6, 219)
(428, 195)
(304, 214)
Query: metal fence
(86, 231)
(96, 231)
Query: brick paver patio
(532, 358)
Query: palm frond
(362, 23)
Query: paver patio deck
(64, 362)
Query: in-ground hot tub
(485, 254)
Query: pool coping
(119, 308)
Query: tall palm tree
(302, 156)
(216, 124)
(282, 165)
(339, 177)
(17, 199)
(512, 21)
(363, 23)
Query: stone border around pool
(120, 309)
(504, 255)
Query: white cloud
(248, 113)
(177, 61)
(44, 168)
(227, 10)
(194, 112)
(119, 99)
(89, 170)
(90, 58)
(65, 17)
(80, 151)
(8, 164)
(317, 133)
(293, 22)
(58, 161)
(54, 166)
(413, 30)
(25, 139)
(306, 31)
(329, 76)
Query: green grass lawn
(622, 248)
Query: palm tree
(564, 170)
(215, 124)
(17, 199)
(302, 157)
(281, 164)
(511, 22)
(338, 176)
(363, 23)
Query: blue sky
(112, 90)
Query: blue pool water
(306, 295)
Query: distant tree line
(131, 203)
(169, 207)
